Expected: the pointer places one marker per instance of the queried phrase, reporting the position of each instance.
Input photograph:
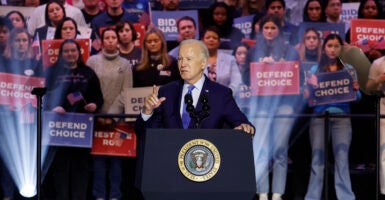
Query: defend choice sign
(278, 78)
(135, 99)
(16, 89)
(50, 50)
(333, 87)
(70, 129)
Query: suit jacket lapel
(178, 103)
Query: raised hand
(152, 101)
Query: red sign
(117, 141)
(16, 90)
(140, 30)
(367, 34)
(50, 50)
(278, 78)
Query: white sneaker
(277, 196)
(263, 196)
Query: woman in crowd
(314, 11)
(340, 128)
(17, 18)
(115, 75)
(69, 75)
(369, 9)
(54, 14)
(67, 29)
(272, 141)
(255, 26)
(156, 66)
(221, 17)
(127, 37)
(240, 53)
(5, 28)
(19, 57)
(309, 50)
(222, 67)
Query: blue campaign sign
(166, 21)
(323, 28)
(244, 24)
(70, 129)
(333, 87)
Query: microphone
(198, 117)
(190, 107)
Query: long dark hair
(274, 47)
(20, 14)
(47, 20)
(60, 26)
(305, 16)
(226, 28)
(380, 13)
(60, 61)
(325, 61)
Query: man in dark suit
(213, 104)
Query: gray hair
(203, 47)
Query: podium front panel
(161, 178)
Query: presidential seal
(199, 160)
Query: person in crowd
(156, 66)
(221, 67)
(127, 36)
(5, 28)
(19, 56)
(274, 134)
(17, 19)
(169, 5)
(90, 10)
(115, 75)
(314, 11)
(333, 10)
(254, 6)
(251, 7)
(309, 49)
(376, 84)
(221, 17)
(54, 14)
(67, 29)
(235, 7)
(67, 76)
(7, 185)
(340, 128)
(294, 11)
(240, 53)
(167, 102)
(255, 26)
(278, 8)
(271, 45)
(114, 14)
(31, 3)
(369, 9)
(187, 29)
(37, 20)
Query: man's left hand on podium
(246, 127)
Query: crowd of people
(117, 63)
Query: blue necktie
(186, 115)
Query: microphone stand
(39, 92)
